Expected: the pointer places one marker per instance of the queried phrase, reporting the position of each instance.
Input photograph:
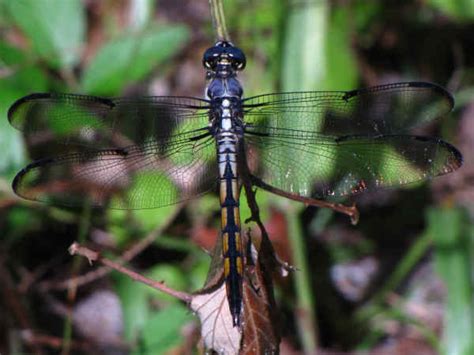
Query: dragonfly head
(222, 55)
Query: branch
(218, 20)
(103, 271)
(91, 255)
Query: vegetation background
(401, 281)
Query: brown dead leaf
(261, 328)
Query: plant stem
(306, 303)
(84, 224)
(218, 20)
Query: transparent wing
(321, 144)
(387, 109)
(126, 153)
(315, 166)
(128, 178)
(99, 123)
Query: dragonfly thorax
(222, 62)
(228, 87)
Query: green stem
(218, 20)
(306, 304)
(377, 306)
(84, 224)
(417, 251)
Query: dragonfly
(149, 152)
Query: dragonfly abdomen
(230, 221)
(232, 255)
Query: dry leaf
(217, 330)
(261, 326)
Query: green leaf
(172, 276)
(263, 203)
(364, 15)
(153, 218)
(130, 58)
(11, 143)
(453, 237)
(9, 55)
(198, 273)
(55, 28)
(341, 63)
(133, 296)
(70, 127)
(20, 82)
(304, 55)
(163, 330)
(150, 218)
(19, 221)
(317, 53)
(461, 9)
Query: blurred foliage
(144, 47)
(55, 29)
(453, 238)
(459, 9)
(130, 58)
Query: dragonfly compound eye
(210, 59)
(237, 58)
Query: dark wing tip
(356, 92)
(21, 101)
(410, 84)
(456, 160)
(436, 88)
(16, 183)
(42, 96)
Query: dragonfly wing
(125, 152)
(309, 164)
(72, 121)
(387, 109)
(124, 178)
(319, 144)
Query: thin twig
(84, 226)
(103, 271)
(13, 302)
(91, 255)
(218, 20)
(35, 339)
(350, 211)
